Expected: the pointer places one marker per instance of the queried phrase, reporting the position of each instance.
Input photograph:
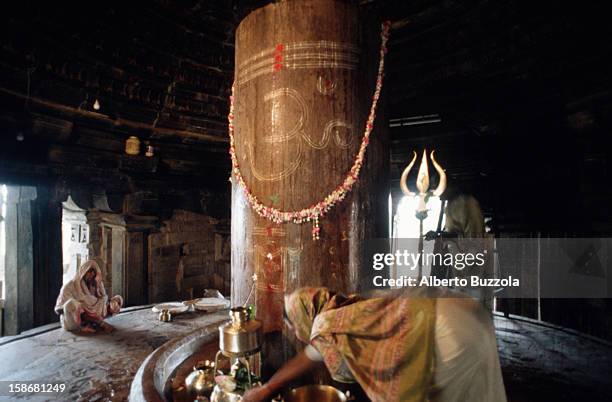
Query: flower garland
(318, 210)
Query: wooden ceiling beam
(72, 111)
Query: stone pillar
(107, 245)
(47, 225)
(117, 252)
(120, 243)
(304, 79)
(19, 274)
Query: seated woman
(83, 304)
(399, 347)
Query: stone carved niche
(190, 253)
(75, 238)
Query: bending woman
(406, 347)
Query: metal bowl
(318, 393)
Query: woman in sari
(400, 347)
(83, 304)
(466, 227)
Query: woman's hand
(257, 394)
(293, 369)
(114, 307)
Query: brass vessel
(239, 340)
(132, 145)
(165, 316)
(241, 336)
(311, 393)
(201, 381)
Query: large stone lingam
(304, 81)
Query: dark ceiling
(159, 70)
(522, 89)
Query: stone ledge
(155, 371)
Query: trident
(422, 184)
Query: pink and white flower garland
(318, 210)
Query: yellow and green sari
(387, 343)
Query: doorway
(3, 195)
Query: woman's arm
(293, 369)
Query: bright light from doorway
(407, 225)
(3, 195)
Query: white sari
(467, 362)
(76, 298)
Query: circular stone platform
(540, 362)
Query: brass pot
(201, 381)
(318, 393)
(132, 146)
(165, 316)
(242, 336)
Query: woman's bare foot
(88, 330)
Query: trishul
(422, 182)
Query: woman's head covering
(303, 305)
(86, 267)
(386, 343)
(464, 217)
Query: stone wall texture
(190, 253)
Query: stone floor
(540, 363)
(96, 367)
